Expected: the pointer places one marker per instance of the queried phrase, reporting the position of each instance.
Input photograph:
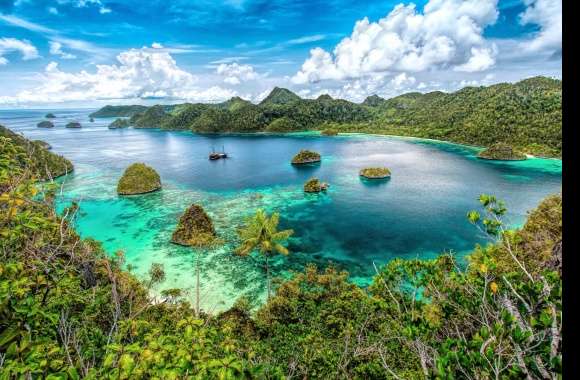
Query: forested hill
(526, 115)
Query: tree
(201, 242)
(261, 234)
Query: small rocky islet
(501, 152)
(194, 224)
(138, 179)
(314, 185)
(50, 116)
(306, 157)
(73, 124)
(375, 173)
(45, 124)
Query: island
(50, 116)
(313, 185)
(306, 157)
(118, 111)
(138, 179)
(119, 123)
(329, 132)
(501, 152)
(192, 223)
(497, 114)
(45, 124)
(73, 124)
(375, 173)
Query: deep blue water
(419, 212)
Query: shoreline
(318, 133)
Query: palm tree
(261, 234)
(201, 242)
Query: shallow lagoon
(419, 212)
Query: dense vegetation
(42, 164)
(313, 185)
(138, 178)
(118, 111)
(526, 115)
(119, 123)
(501, 151)
(192, 223)
(305, 157)
(67, 310)
(373, 173)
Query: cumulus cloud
(547, 14)
(449, 33)
(24, 47)
(235, 73)
(56, 49)
(139, 73)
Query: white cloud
(87, 3)
(17, 21)
(56, 49)
(52, 10)
(449, 33)
(24, 47)
(481, 59)
(547, 14)
(235, 73)
(210, 95)
(306, 39)
(139, 73)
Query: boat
(218, 155)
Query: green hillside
(526, 115)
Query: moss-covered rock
(119, 123)
(329, 132)
(193, 223)
(50, 116)
(306, 157)
(375, 173)
(138, 179)
(45, 124)
(313, 185)
(45, 164)
(501, 151)
(73, 124)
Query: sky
(87, 53)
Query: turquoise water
(419, 212)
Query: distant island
(526, 115)
(501, 152)
(375, 173)
(45, 124)
(306, 157)
(50, 116)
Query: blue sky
(91, 52)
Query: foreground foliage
(69, 311)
